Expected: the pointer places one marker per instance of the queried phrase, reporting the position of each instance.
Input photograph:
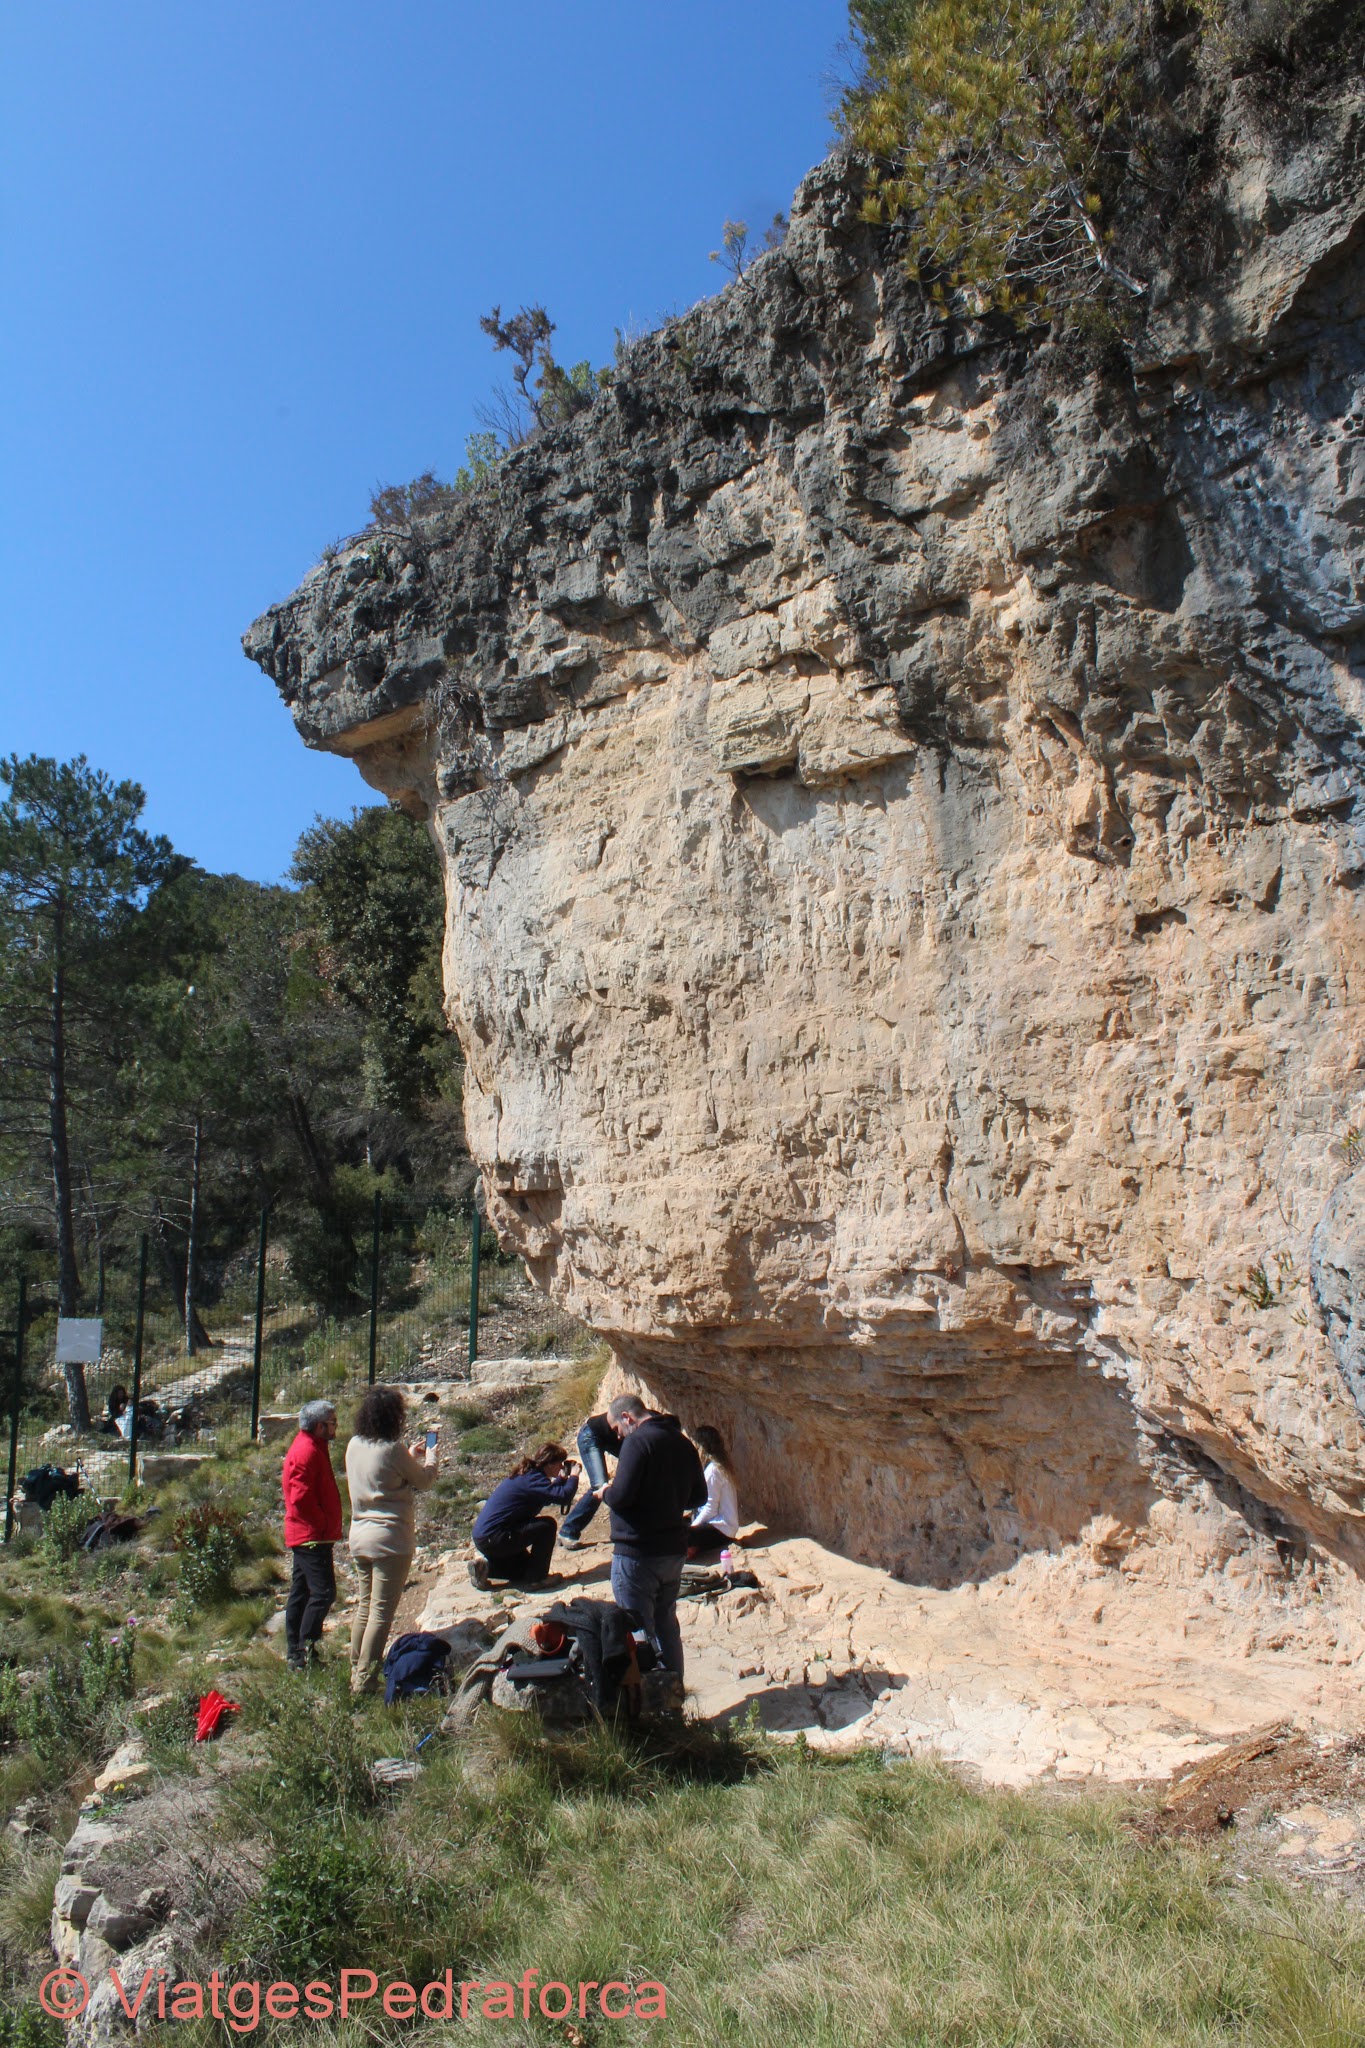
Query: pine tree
(992, 123)
(75, 867)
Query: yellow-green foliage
(989, 120)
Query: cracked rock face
(899, 798)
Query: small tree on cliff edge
(556, 394)
(74, 865)
(995, 126)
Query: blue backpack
(414, 1665)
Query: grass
(27, 1877)
(782, 1898)
(484, 1438)
(571, 1399)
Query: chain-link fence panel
(319, 1308)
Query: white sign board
(80, 1340)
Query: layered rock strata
(899, 792)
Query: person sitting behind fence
(385, 1478)
(312, 1524)
(118, 1415)
(511, 1533)
(716, 1522)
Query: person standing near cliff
(385, 1477)
(657, 1487)
(312, 1525)
(598, 1440)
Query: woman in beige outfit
(384, 1478)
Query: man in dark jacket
(312, 1524)
(658, 1483)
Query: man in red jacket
(312, 1524)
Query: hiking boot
(571, 1543)
(478, 1574)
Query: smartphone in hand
(431, 1439)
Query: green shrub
(486, 1438)
(71, 1705)
(302, 1923)
(24, 2024)
(212, 1541)
(317, 1747)
(65, 1521)
(994, 124)
(167, 1729)
(402, 504)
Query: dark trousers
(647, 1588)
(523, 1553)
(707, 1536)
(311, 1593)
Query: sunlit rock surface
(899, 796)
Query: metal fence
(429, 1298)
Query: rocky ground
(1064, 1669)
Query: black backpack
(415, 1664)
(43, 1484)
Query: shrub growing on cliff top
(400, 504)
(547, 393)
(992, 123)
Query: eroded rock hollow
(899, 791)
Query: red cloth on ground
(212, 1707)
(312, 1504)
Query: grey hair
(314, 1412)
(625, 1404)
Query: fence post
(260, 1326)
(137, 1357)
(374, 1289)
(14, 1408)
(475, 1237)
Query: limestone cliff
(899, 790)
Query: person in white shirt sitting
(716, 1522)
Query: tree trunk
(68, 1277)
(175, 1273)
(78, 1397)
(68, 1274)
(192, 1240)
(100, 1275)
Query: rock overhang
(898, 796)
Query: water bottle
(727, 1561)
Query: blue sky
(246, 249)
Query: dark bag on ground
(699, 1582)
(415, 1665)
(109, 1528)
(43, 1484)
(568, 1665)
